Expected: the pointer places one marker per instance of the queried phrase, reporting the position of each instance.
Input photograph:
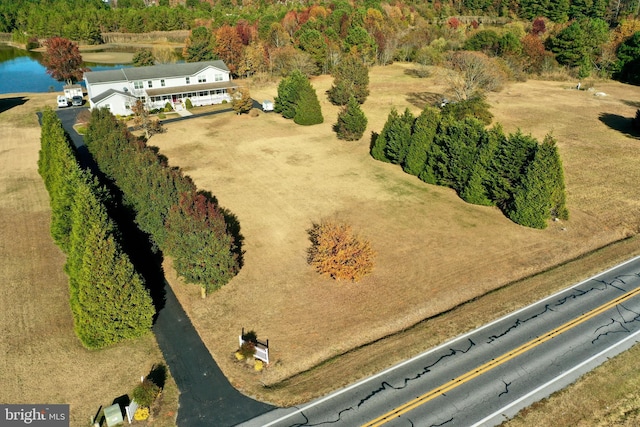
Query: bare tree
(470, 74)
(143, 120)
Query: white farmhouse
(204, 83)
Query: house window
(187, 80)
(202, 79)
(218, 77)
(137, 85)
(203, 93)
(150, 83)
(162, 82)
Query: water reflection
(23, 71)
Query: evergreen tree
(308, 111)
(351, 121)
(558, 10)
(112, 302)
(398, 138)
(531, 205)
(351, 77)
(570, 45)
(509, 165)
(289, 93)
(200, 244)
(199, 46)
(422, 134)
(143, 58)
(379, 142)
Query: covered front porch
(199, 94)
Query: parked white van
(62, 101)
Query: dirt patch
(434, 250)
(42, 360)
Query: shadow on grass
(635, 104)
(621, 124)
(422, 99)
(9, 103)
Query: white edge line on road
(558, 378)
(445, 344)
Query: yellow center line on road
(420, 400)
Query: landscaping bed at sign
(434, 251)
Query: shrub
(473, 107)
(168, 107)
(187, 104)
(258, 365)
(145, 393)
(636, 121)
(338, 253)
(142, 413)
(250, 336)
(247, 349)
(162, 116)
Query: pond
(22, 71)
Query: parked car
(62, 101)
(76, 101)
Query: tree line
(202, 238)
(273, 37)
(516, 173)
(108, 298)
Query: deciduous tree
(336, 251)
(241, 100)
(63, 60)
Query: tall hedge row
(162, 198)
(516, 173)
(108, 299)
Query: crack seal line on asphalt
(420, 400)
(299, 410)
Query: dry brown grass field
(434, 251)
(42, 360)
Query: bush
(168, 107)
(636, 121)
(474, 107)
(247, 349)
(187, 104)
(145, 393)
(338, 253)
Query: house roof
(152, 72)
(190, 88)
(106, 94)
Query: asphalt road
(207, 399)
(488, 375)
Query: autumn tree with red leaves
(63, 60)
(336, 251)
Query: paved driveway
(207, 399)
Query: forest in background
(596, 38)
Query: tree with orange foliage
(336, 251)
(229, 47)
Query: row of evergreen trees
(522, 177)
(184, 223)
(297, 100)
(108, 298)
